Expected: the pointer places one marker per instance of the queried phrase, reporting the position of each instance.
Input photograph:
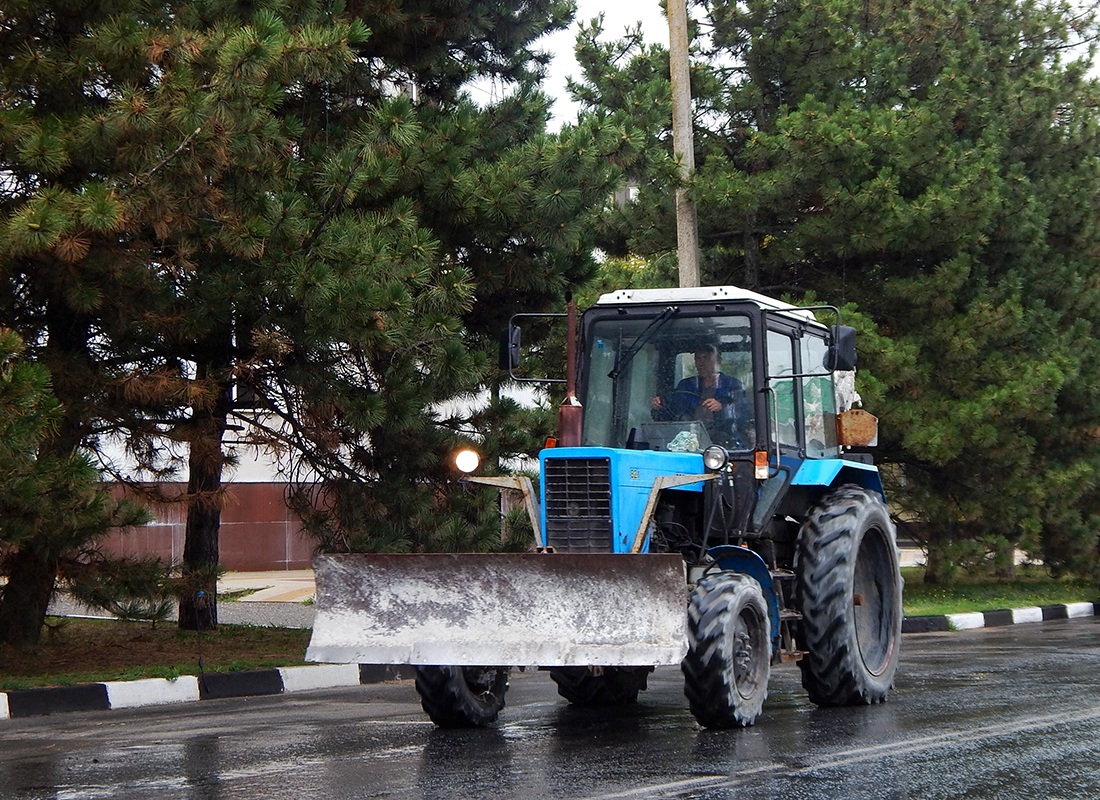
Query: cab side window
(818, 401)
(781, 369)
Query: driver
(707, 396)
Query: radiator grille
(578, 504)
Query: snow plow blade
(500, 609)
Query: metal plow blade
(523, 609)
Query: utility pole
(683, 143)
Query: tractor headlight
(467, 460)
(715, 457)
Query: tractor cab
(654, 380)
(672, 370)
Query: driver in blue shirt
(708, 396)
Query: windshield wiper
(626, 356)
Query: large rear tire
(610, 686)
(462, 697)
(728, 662)
(848, 588)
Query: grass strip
(987, 594)
(74, 651)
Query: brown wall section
(258, 531)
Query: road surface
(997, 713)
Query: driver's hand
(656, 402)
(712, 404)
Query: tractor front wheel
(606, 686)
(848, 589)
(728, 662)
(462, 697)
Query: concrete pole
(683, 143)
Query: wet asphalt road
(998, 713)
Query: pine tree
(51, 506)
(299, 204)
(68, 284)
(500, 216)
(141, 148)
(935, 164)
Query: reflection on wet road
(999, 713)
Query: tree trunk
(939, 569)
(198, 607)
(26, 597)
(1005, 560)
(32, 567)
(751, 241)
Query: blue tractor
(709, 468)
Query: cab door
(784, 419)
(801, 400)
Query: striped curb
(998, 617)
(189, 688)
(284, 680)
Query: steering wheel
(665, 412)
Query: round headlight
(467, 460)
(715, 457)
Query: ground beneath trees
(82, 651)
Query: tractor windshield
(669, 382)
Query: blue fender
(744, 561)
(829, 472)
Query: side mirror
(841, 355)
(510, 348)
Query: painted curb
(189, 688)
(255, 683)
(326, 676)
(221, 685)
(35, 702)
(998, 617)
(152, 691)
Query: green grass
(74, 651)
(988, 594)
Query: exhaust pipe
(570, 412)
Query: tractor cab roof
(702, 294)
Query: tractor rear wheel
(462, 697)
(848, 589)
(610, 686)
(728, 662)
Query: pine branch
(139, 179)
